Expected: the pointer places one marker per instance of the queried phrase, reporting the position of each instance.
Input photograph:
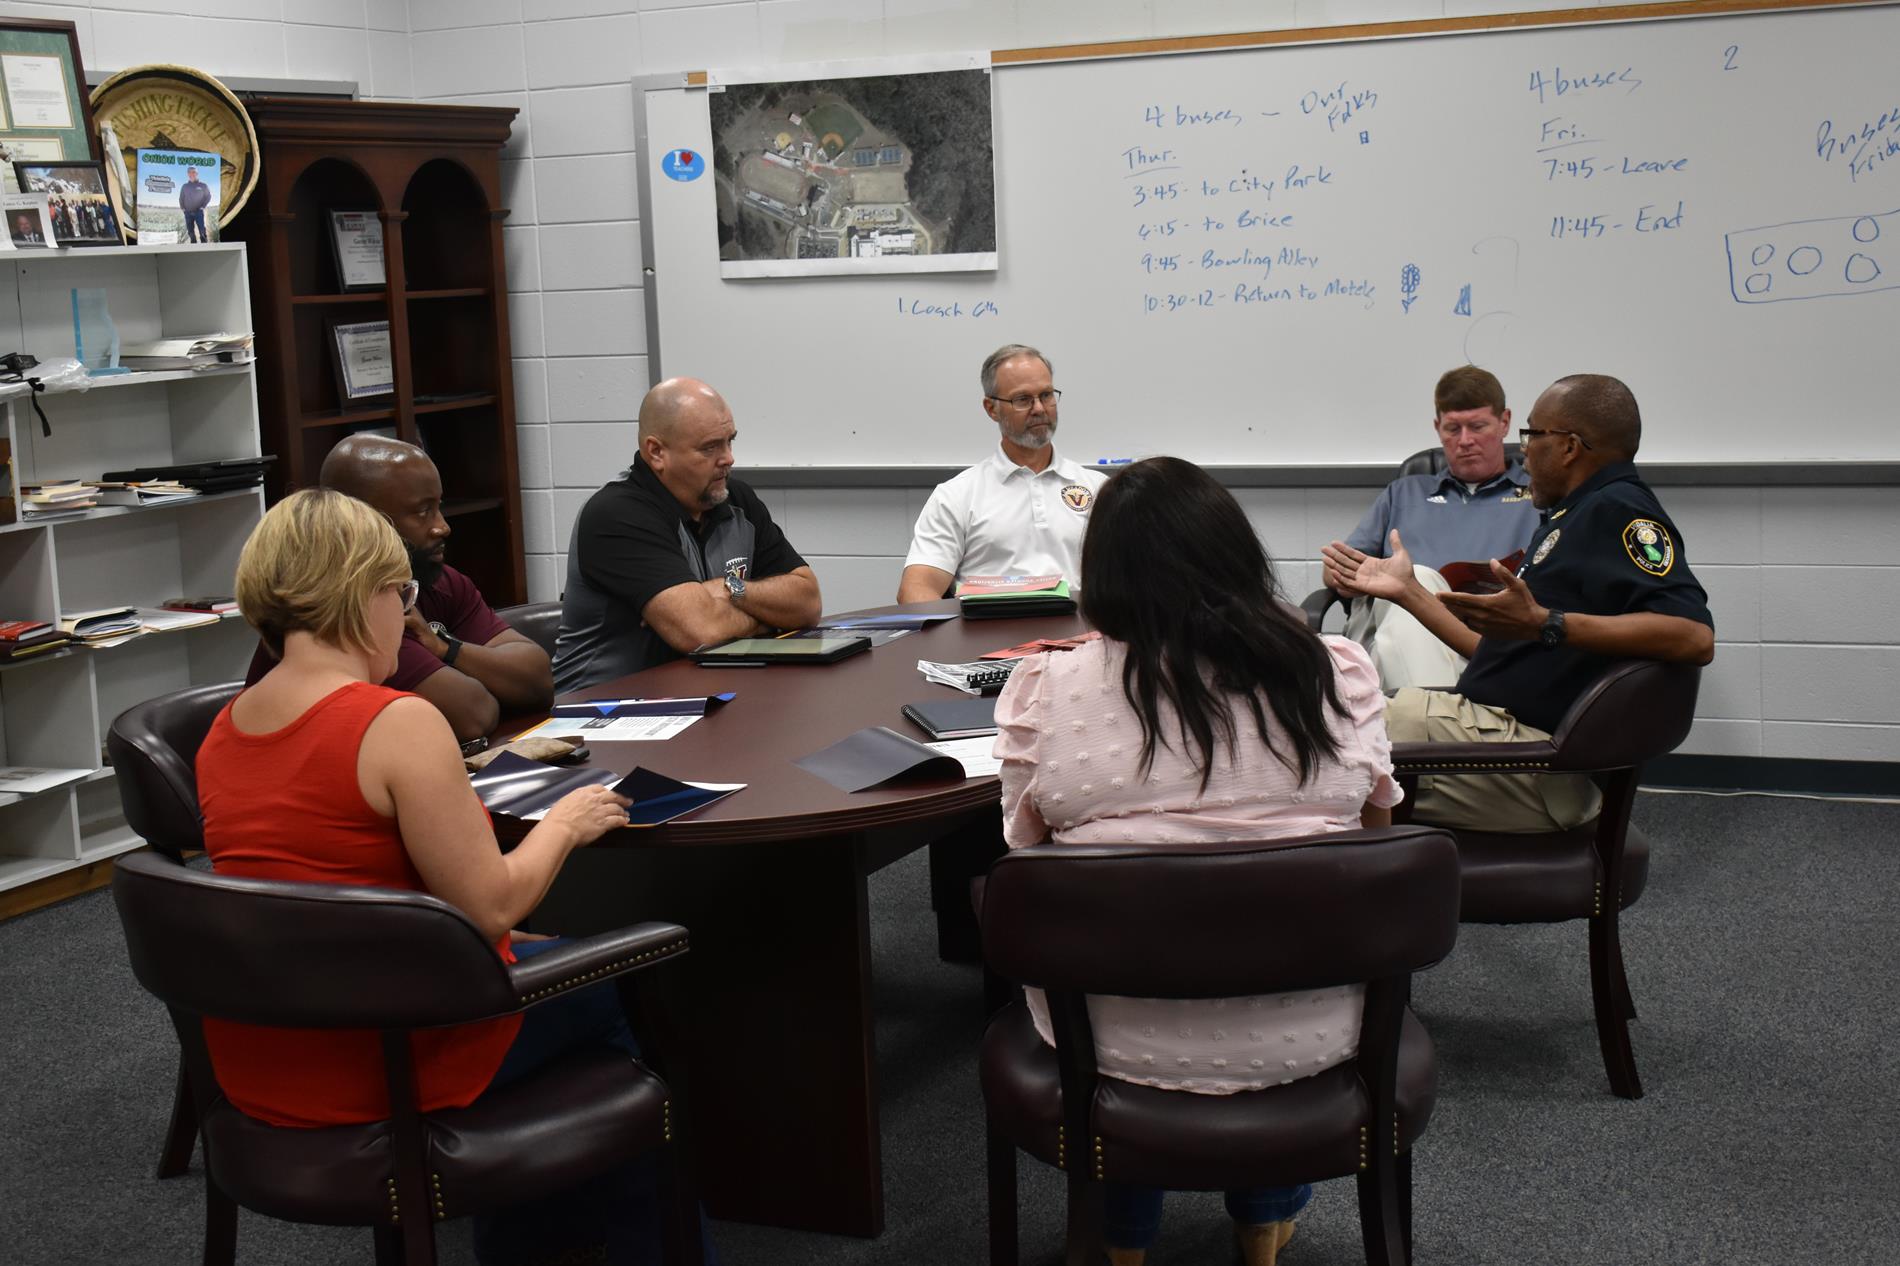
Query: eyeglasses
(410, 590)
(1525, 433)
(1023, 402)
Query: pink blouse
(1071, 746)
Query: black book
(954, 718)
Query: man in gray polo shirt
(1477, 509)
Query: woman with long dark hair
(1206, 711)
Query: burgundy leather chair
(1427, 461)
(1214, 921)
(153, 747)
(322, 956)
(1638, 710)
(539, 622)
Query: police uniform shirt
(1442, 522)
(1001, 519)
(632, 541)
(1606, 549)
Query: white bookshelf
(55, 709)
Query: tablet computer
(749, 652)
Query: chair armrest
(596, 958)
(1472, 758)
(1318, 603)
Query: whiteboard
(1217, 251)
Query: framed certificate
(356, 244)
(43, 91)
(365, 369)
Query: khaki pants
(1404, 651)
(1506, 803)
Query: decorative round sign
(683, 164)
(178, 108)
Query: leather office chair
(303, 955)
(153, 747)
(539, 622)
(1427, 461)
(1638, 710)
(1184, 921)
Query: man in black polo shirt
(1604, 578)
(674, 553)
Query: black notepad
(954, 718)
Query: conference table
(771, 884)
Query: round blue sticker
(684, 164)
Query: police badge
(1649, 547)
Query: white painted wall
(363, 41)
(1804, 582)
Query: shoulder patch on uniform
(1649, 547)
(1077, 497)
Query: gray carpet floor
(1764, 960)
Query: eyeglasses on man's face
(409, 590)
(1526, 433)
(1026, 401)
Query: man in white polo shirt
(1023, 510)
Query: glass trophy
(95, 337)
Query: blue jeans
(1131, 1216)
(621, 1206)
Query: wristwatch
(735, 587)
(455, 643)
(1552, 633)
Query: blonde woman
(318, 774)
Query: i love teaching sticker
(683, 164)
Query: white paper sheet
(972, 753)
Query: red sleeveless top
(287, 805)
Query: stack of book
(21, 638)
(54, 501)
(1010, 597)
(215, 604)
(150, 493)
(200, 351)
(106, 626)
(206, 477)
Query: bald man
(675, 553)
(456, 652)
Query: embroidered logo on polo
(1649, 547)
(1522, 494)
(1546, 545)
(736, 567)
(1437, 499)
(1077, 497)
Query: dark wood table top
(786, 711)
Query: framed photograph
(356, 244)
(29, 220)
(76, 197)
(43, 94)
(365, 369)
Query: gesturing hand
(1511, 614)
(589, 812)
(1354, 573)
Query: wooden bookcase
(432, 174)
(56, 707)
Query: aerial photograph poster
(853, 173)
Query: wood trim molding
(1421, 26)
